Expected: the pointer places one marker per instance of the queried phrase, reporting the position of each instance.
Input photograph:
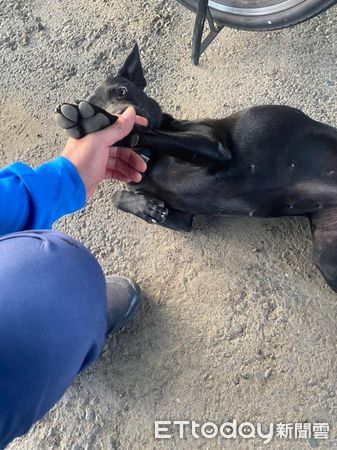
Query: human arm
(36, 198)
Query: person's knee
(49, 273)
(53, 289)
(52, 321)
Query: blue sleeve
(36, 198)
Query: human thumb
(121, 128)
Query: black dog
(274, 161)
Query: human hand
(96, 159)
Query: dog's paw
(81, 118)
(155, 211)
(150, 209)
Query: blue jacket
(36, 198)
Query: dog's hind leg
(324, 233)
(153, 210)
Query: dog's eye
(122, 91)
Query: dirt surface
(237, 322)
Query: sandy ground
(237, 322)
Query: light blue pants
(52, 323)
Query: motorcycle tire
(262, 15)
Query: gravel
(237, 321)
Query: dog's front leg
(153, 210)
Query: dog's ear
(132, 68)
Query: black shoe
(124, 298)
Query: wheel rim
(253, 7)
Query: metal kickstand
(199, 45)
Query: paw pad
(82, 118)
